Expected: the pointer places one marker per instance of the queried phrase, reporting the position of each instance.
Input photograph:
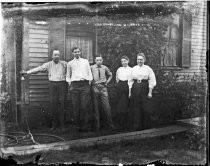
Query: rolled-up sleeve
(117, 79)
(130, 79)
(65, 67)
(43, 68)
(68, 73)
(151, 79)
(108, 72)
(89, 74)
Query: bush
(187, 93)
(146, 37)
(196, 137)
(5, 105)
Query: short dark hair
(124, 57)
(98, 55)
(74, 48)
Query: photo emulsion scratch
(104, 83)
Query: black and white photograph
(103, 83)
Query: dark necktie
(99, 73)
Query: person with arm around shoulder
(56, 74)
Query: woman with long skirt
(142, 81)
(122, 76)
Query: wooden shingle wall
(38, 54)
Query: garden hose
(8, 136)
(25, 137)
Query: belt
(102, 83)
(81, 82)
(56, 81)
(140, 81)
(123, 81)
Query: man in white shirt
(56, 74)
(141, 82)
(79, 77)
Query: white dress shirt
(78, 70)
(56, 72)
(143, 73)
(123, 73)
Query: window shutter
(186, 42)
(57, 36)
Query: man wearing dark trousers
(99, 88)
(56, 74)
(79, 77)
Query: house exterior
(31, 32)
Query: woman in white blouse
(142, 82)
(122, 76)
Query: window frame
(77, 30)
(179, 58)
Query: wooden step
(30, 149)
(193, 121)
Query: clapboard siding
(44, 86)
(38, 50)
(198, 44)
(38, 26)
(38, 54)
(38, 36)
(37, 77)
(38, 45)
(198, 36)
(199, 51)
(38, 41)
(41, 99)
(198, 47)
(34, 64)
(35, 59)
(39, 90)
(38, 31)
(38, 82)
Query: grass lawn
(171, 149)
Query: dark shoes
(53, 128)
(63, 130)
(84, 129)
(60, 130)
(111, 128)
(96, 129)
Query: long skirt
(139, 114)
(123, 102)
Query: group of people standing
(134, 87)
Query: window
(82, 36)
(176, 50)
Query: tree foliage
(118, 39)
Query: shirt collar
(125, 67)
(141, 66)
(98, 66)
(55, 63)
(77, 59)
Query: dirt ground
(170, 149)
